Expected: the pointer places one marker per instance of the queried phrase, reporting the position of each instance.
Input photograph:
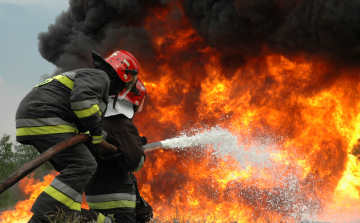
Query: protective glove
(143, 140)
(97, 138)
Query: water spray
(218, 138)
(200, 139)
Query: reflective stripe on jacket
(110, 201)
(67, 103)
(64, 194)
(103, 219)
(111, 190)
(44, 126)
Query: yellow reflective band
(112, 204)
(65, 81)
(62, 198)
(62, 78)
(142, 160)
(101, 218)
(139, 168)
(88, 111)
(44, 82)
(96, 139)
(45, 130)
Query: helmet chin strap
(116, 96)
(115, 99)
(121, 97)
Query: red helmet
(125, 65)
(136, 96)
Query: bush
(12, 157)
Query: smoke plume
(238, 29)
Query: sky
(21, 65)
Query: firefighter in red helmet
(127, 68)
(66, 105)
(113, 190)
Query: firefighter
(61, 107)
(113, 190)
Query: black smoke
(100, 25)
(325, 28)
(239, 29)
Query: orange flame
(303, 112)
(33, 188)
(307, 111)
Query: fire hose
(48, 154)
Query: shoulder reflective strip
(45, 130)
(140, 165)
(84, 104)
(45, 82)
(70, 74)
(101, 218)
(65, 81)
(110, 197)
(96, 139)
(65, 189)
(87, 112)
(62, 198)
(42, 122)
(112, 204)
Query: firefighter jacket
(71, 102)
(111, 189)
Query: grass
(62, 217)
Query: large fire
(295, 105)
(315, 130)
(298, 106)
(32, 188)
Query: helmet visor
(128, 86)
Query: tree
(7, 167)
(24, 153)
(12, 157)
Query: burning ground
(280, 76)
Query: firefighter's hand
(96, 139)
(101, 154)
(143, 140)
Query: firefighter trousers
(76, 166)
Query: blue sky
(21, 65)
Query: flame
(32, 188)
(302, 112)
